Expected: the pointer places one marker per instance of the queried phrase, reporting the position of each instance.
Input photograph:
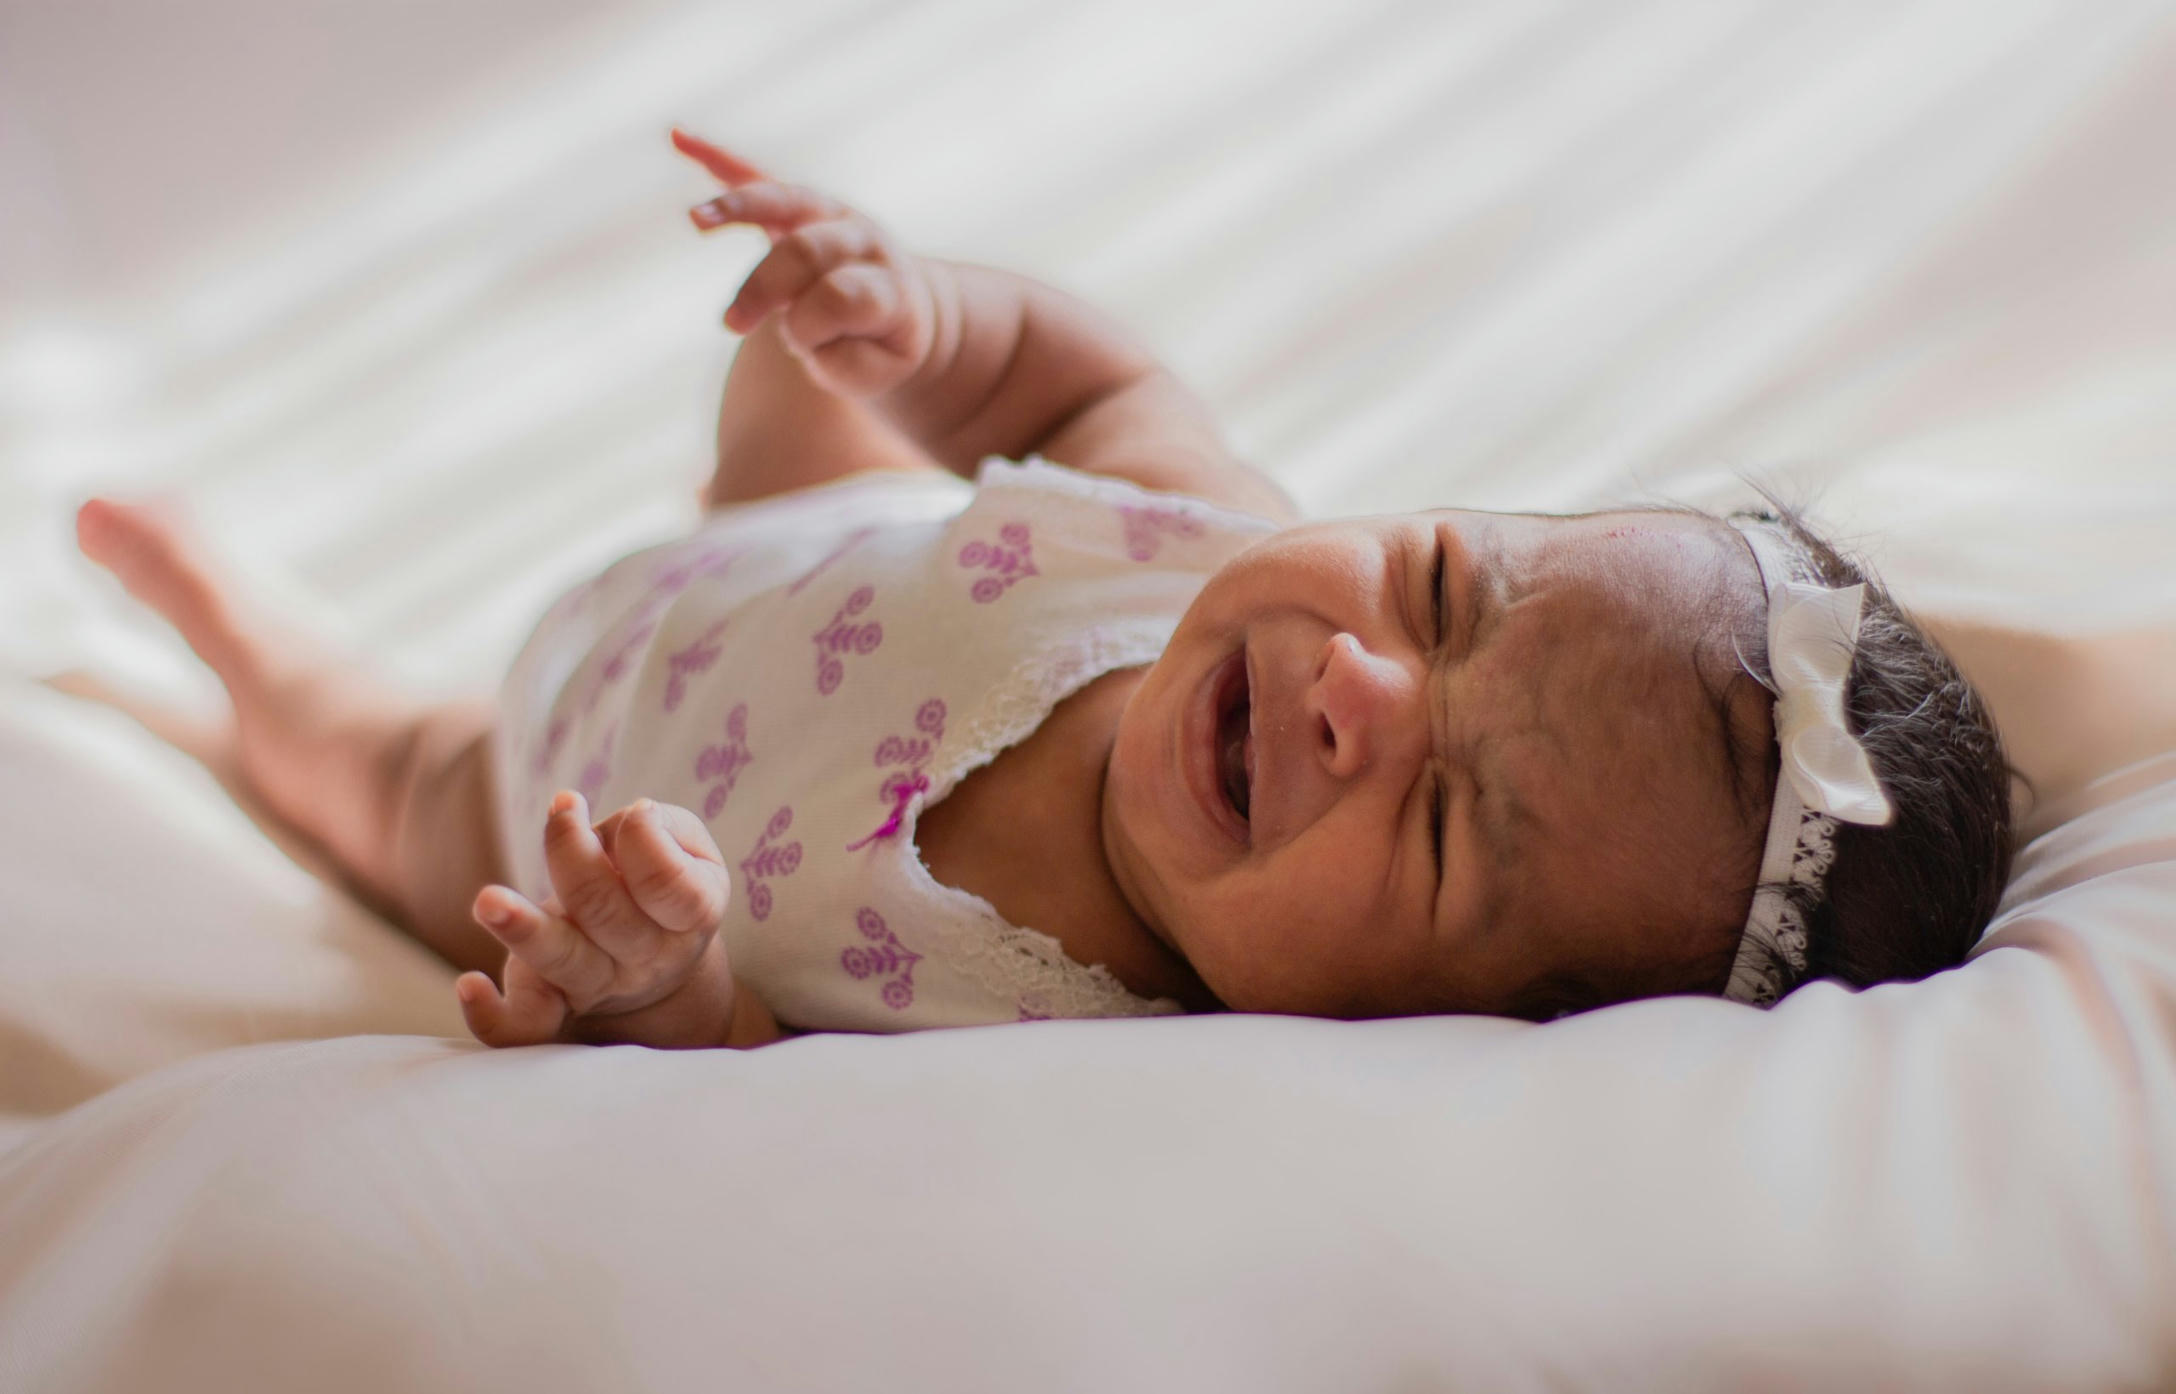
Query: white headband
(1813, 632)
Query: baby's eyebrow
(1484, 602)
(1501, 813)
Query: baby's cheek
(1272, 951)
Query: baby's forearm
(951, 363)
(1016, 367)
(1011, 362)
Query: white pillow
(1968, 1183)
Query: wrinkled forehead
(1669, 567)
(1624, 725)
(1613, 620)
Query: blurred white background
(402, 298)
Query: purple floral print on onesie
(666, 582)
(769, 858)
(839, 638)
(638, 628)
(555, 736)
(598, 768)
(674, 577)
(1009, 560)
(724, 763)
(884, 956)
(692, 661)
(908, 754)
(1144, 528)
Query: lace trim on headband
(1772, 955)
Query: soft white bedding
(430, 341)
(1964, 1184)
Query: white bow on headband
(1813, 635)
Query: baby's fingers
(531, 1012)
(590, 890)
(852, 302)
(795, 264)
(672, 867)
(777, 208)
(723, 163)
(559, 953)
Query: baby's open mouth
(1235, 745)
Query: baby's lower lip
(1203, 746)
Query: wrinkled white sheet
(147, 919)
(1964, 1184)
(442, 344)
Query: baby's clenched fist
(854, 307)
(626, 950)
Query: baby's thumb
(673, 868)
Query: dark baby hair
(1909, 898)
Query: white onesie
(809, 672)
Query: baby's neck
(1025, 832)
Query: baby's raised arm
(967, 361)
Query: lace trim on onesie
(1004, 958)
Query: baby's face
(1453, 762)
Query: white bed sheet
(441, 345)
(1961, 1184)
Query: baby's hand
(858, 311)
(627, 950)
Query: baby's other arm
(626, 951)
(967, 361)
(1018, 367)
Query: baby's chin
(1278, 994)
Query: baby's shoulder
(1141, 515)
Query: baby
(1124, 738)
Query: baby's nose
(1363, 706)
